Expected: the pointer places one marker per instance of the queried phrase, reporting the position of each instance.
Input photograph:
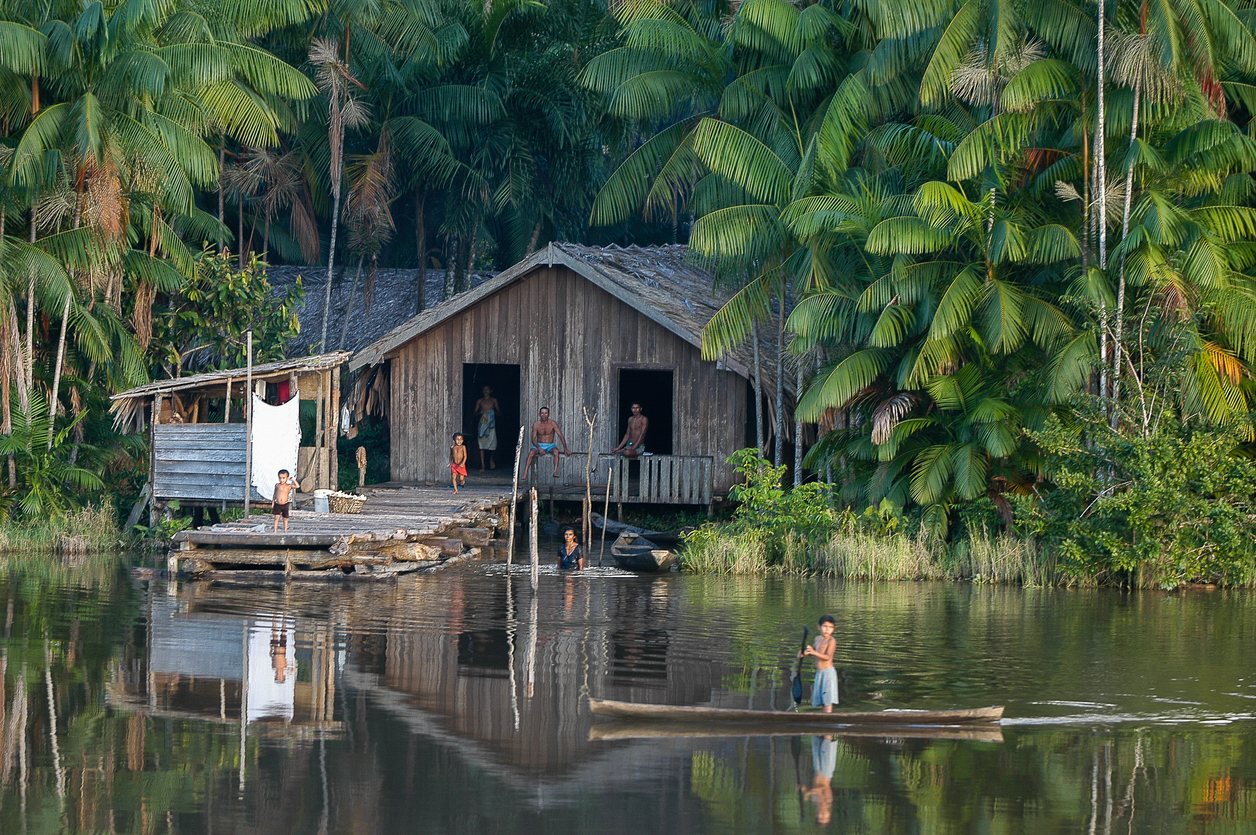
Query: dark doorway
(652, 388)
(504, 381)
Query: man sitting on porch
(633, 443)
(543, 432)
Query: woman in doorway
(486, 409)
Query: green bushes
(1178, 506)
(801, 531)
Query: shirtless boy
(634, 439)
(458, 461)
(543, 432)
(486, 411)
(281, 501)
(824, 690)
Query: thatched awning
(127, 407)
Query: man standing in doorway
(633, 443)
(543, 432)
(486, 409)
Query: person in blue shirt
(570, 554)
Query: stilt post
(533, 545)
(248, 424)
(606, 510)
(514, 500)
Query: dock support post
(606, 512)
(514, 501)
(248, 423)
(152, 460)
(533, 545)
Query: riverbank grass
(862, 555)
(88, 530)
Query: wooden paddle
(796, 675)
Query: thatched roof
(393, 300)
(658, 281)
(126, 405)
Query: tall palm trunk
(797, 428)
(8, 368)
(337, 131)
(29, 359)
(53, 405)
(779, 450)
(240, 232)
(420, 237)
(331, 260)
(222, 202)
(6, 388)
(1101, 191)
(353, 292)
(758, 389)
(1125, 230)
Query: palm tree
(344, 110)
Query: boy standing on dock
(458, 460)
(281, 501)
(824, 690)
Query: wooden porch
(401, 528)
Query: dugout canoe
(613, 529)
(802, 718)
(634, 553)
(641, 729)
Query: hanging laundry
(276, 439)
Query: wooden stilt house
(197, 428)
(583, 331)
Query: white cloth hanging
(276, 439)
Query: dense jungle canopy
(1002, 241)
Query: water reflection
(456, 703)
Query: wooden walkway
(401, 528)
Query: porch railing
(651, 479)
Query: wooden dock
(401, 528)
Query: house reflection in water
(219, 663)
(470, 662)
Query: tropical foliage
(131, 134)
(976, 215)
(948, 221)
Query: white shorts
(824, 690)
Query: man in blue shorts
(543, 432)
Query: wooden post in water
(514, 500)
(533, 545)
(586, 532)
(248, 425)
(606, 510)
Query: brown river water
(457, 703)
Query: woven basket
(345, 503)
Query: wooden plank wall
(570, 339)
(199, 461)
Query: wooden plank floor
(390, 510)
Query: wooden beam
(318, 436)
(333, 462)
(152, 458)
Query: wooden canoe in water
(803, 718)
(640, 729)
(634, 553)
